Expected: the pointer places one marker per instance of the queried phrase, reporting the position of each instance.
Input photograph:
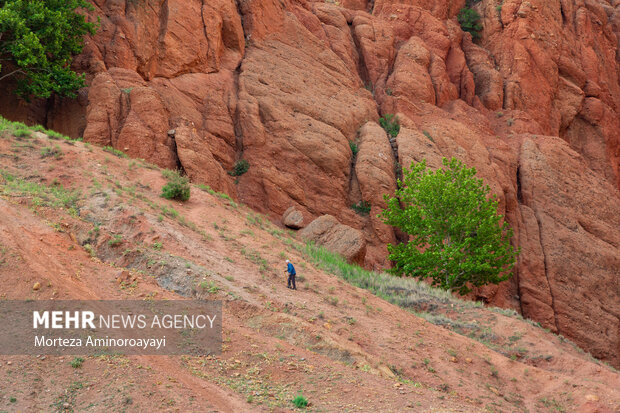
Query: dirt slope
(87, 224)
(292, 86)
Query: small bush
(177, 186)
(469, 19)
(240, 168)
(354, 148)
(362, 207)
(300, 401)
(77, 362)
(390, 123)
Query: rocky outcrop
(292, 218)
(294, 86)
(571, 244)
(375, 173)
(338, 238)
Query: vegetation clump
(241, 167)
(354, 148)
(300, 401)
(77, 362)
(177, 187)
(389, 122)
(469, 19)
(362, 207)
(115, 152)
(48, 151)
(457, 238)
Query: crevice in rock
(179, 164)
(204, 29)
(371, 6)
(124, 105)
(360, 63)
(234, 114)
(354, 191)
(542, 248)
(563, 14)
(517, 274)
(241, 17)
(601, 237)
(519, 193)
(163, 29)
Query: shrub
(390, 123)
(458, 239)
(241, 167)
(177, 187)
(300, 401)
(469, 19)
(354, 148)
(362, 207)
(77, 362)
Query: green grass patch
(54, 196)
(50, 151)
(300, 401)
(221, 195)
(115, 152)
(21, 130)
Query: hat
(287, 261)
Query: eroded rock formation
(293, 86)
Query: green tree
(457, 237)
(38, 39)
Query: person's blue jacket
(291, 269)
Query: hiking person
(291, 275)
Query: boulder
(293, 218)
(342, 239)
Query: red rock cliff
(534, 105)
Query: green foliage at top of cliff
(38, 39)
(457, 238)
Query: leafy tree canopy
(457, 237)
(38, 39)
